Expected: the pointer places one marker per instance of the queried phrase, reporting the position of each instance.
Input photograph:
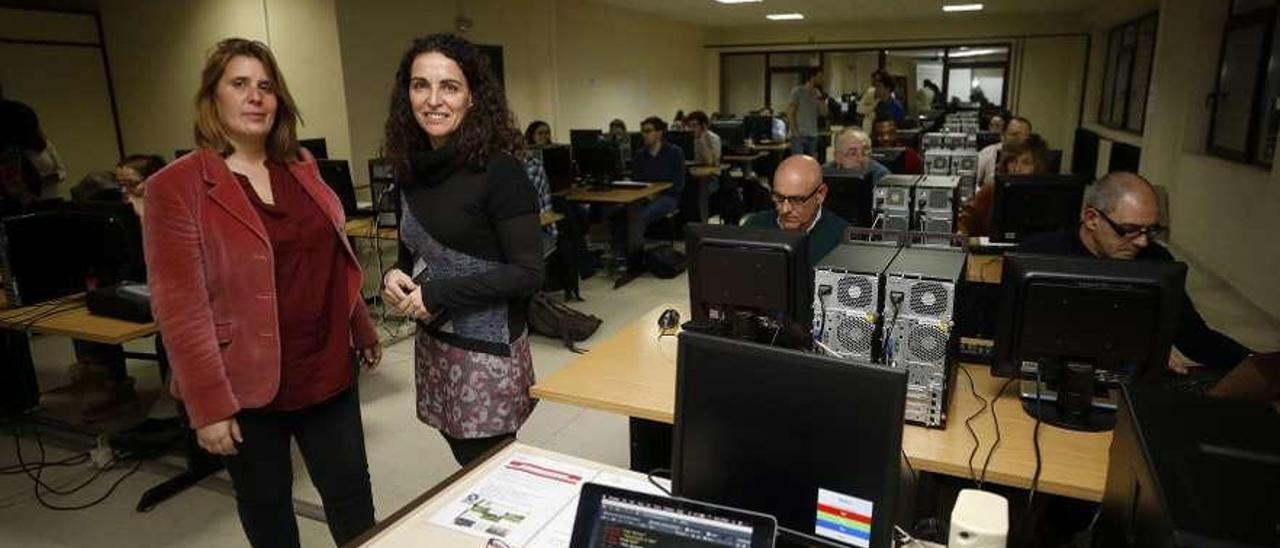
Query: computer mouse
(669, 320)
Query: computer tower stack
(893, 201)
(848, 298)
(937, 198)
(919, 308)
(937, 161)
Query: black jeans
(466, 450)
(331, 438)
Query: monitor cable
(1035, 440)
(995, 420)
(653, 474)
(968, 425)
(38, 480)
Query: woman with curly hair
(470, 247)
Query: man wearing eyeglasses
(798, 193)
(1120, 220)
(853, 155)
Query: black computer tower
(1189, 470)
(849, 296)
(18, 389)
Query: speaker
(979, 520)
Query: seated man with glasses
(853, 155)
(1120, 220)
(798, 193)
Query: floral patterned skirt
(468, 394)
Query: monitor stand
(1072, 404)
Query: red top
(914, 163)
(315, 335)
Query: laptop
(609, 517)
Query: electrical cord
(38, 481)
(887, 347)
(968, 424)
(915, 477)
(823, 291)
(982, 478)
(653, 473)
(1035, 440)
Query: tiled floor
(405, 456)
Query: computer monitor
(987, 138)
(894, 158)
(1078, 327)
(337, 174)
(750, 283)
(178, 153)
(585, 137)
(1027, 204)
(813, 441)
(1053, 158)
(1187, 470)
(598, 163)
(611, 517)
(637, 141)
(759, 128)
(733, 136)
(908, 138)
(318, 148)
(684, 140)
(850, 197)
(557, 160)
(61, 252)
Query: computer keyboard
(1192, 383)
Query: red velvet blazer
(211, 272)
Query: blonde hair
(282, 141)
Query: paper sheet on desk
(516, 499)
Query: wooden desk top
(71, 318)
(411, 526)
(776, 147)
(744, 158)
(364, 228)
(615, 195)
(705, 171)
(633, 373)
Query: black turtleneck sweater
(489, 214)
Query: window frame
(1111, 63)
(1261, 16)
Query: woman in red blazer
(257, 293)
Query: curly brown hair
(489, 127)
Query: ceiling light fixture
(785, 16)
(739, 1)
(961, 7)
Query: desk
(363, 227)
(632, 199)
(706, 171)
(775, 147)
(410, 526)
(71, 318)
(634, 373)
(744, 159)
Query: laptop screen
(615, 518)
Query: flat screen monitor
(584, 137)
(850, 197)
(733, 136)
(684, 140)
(751, 283)
(598, 163)
(758, 128)
(557, 160)
(1027, 204)
(1081, 326)
(337, 174)
(894, 158)
(61, 252)
(811, 440)
(318, 148)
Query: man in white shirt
(1016, 131)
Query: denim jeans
(804, 144)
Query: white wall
(157, 50)
(66, 85)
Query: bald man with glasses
(1120, 220)
(798, 194)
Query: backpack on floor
(557, 320)
(665, 262)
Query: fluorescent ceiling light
(738, 1)
(961, 7)
(785, 16)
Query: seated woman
(1030, 158)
